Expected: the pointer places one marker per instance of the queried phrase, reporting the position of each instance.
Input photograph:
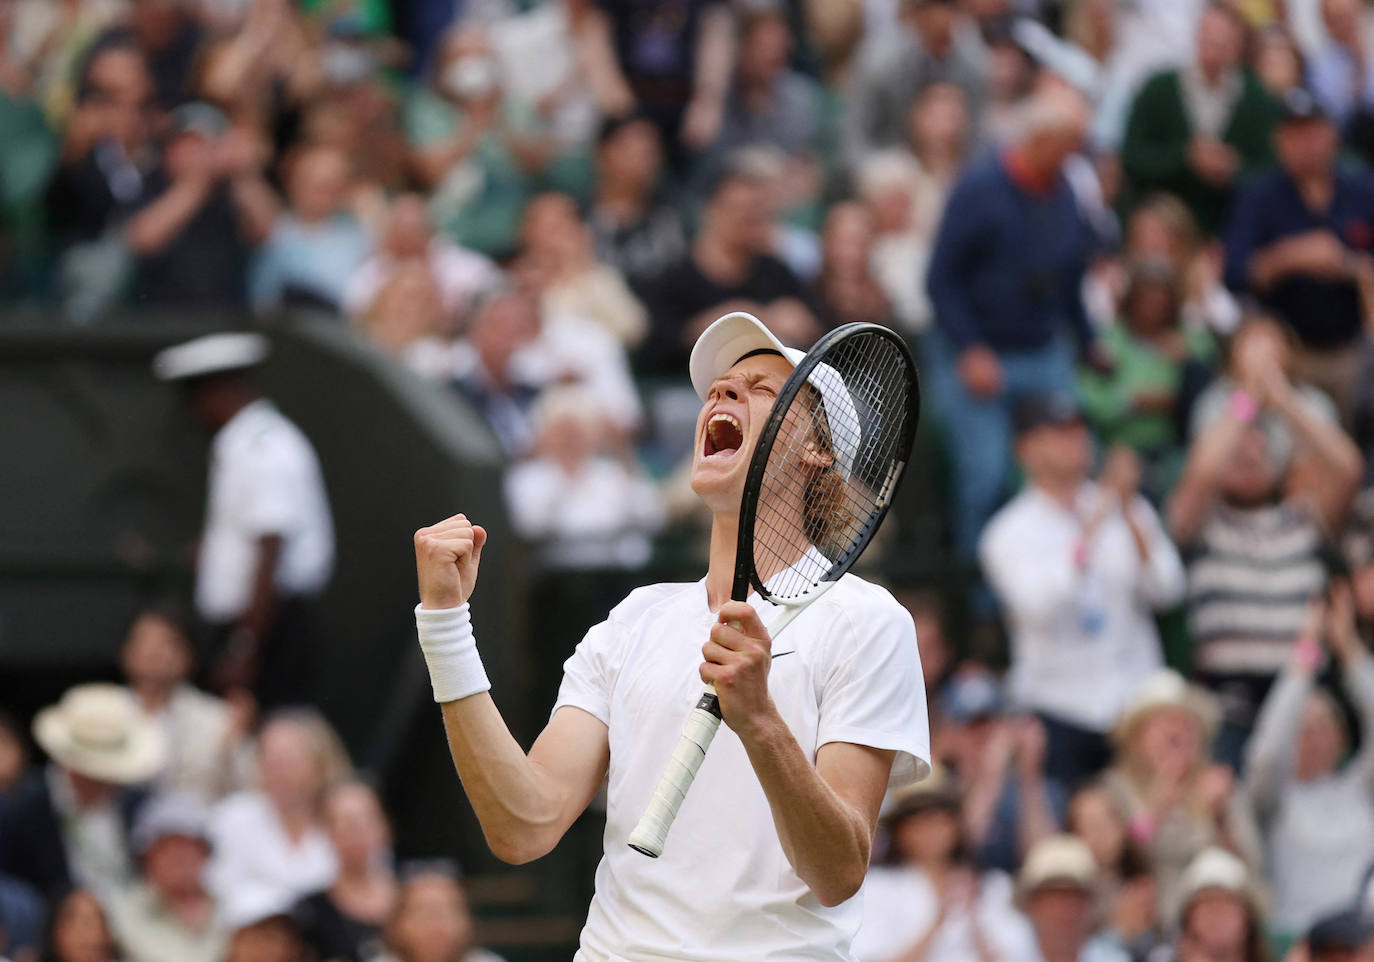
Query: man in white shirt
(1079, 568)
(267, 548)
(772, 843)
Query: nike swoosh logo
(781, 653)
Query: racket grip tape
(681, 770)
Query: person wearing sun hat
(1175, 801)
(71, 826)
(1220, 913)
(1058, 889)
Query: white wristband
(455, 668)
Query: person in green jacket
(1197, 131)
(1157, 367)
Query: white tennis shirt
(723, 891)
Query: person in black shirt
(728, 268)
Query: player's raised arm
(524, 802)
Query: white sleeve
(874, 693)
(268, 503)
(587, 675)
(1162, 581)
(1034, 582)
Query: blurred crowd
(1131, 242)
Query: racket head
(853, 400)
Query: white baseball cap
(729, 338)
(211, 354)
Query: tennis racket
(820, 481)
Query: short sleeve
(586, 675)
(874, 693)
(267, 502)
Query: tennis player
(772, 843)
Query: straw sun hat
(1167, 690)
(98, 731)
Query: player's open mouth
(724, 435)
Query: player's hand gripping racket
(824, 472)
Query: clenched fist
(446, 558)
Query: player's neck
(720, 575)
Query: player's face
(729, 425)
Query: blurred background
(282, 281)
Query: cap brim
(728, 339)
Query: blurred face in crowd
(317, 183)
(407, 228)
(1215, 927)
(79, 930)
(934, 21)
(632, 156)
(272, 940)
(119, 89)
(740, 216)
(1151, 306)
(292, 771)
(156, 22)
(1249, 478)
(1054, 455)
(432, 922)
(1063, 918)
(187, 152)
(1056, 121)
(1277, 61)
(1322, 742)
(940, 121)
(927, 838)
(1220, 42)
(155, 653)
(357, 825)
(553, 229)
(569, 438)
(1169, 741)
(764, 51)
(1308, 148)
(848, 239)
(14, 757)
(175, 865)
(468, 70)
(503, 326)
(1094, 819)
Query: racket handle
(652, 830)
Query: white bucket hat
(1059, 861)
(1215, 870)
(1167, 689)
(98, 731)
(731, 337)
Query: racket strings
(833, 464)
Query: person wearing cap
(1314, 799)
(928, 901)
(267, 549)
(1196, 130)
(773, 842)
(260, 926)
(1219, 916)
(1300, 241)
(71, 826)
(169, 916)
(1254, 521)
(1080, 567)
(1058, 889)
(1344, 936)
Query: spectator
(261, 928)
(169, 916)
(1277, 61)
(1336, 70)
(729, 265)
(78, 930)
(1220, 916)
(344, 922)
(1297, 241)
(71, 826)
(201, 211)
(1316, 806)
(1195, 131)
(14, 757)
(1158, 368)
(315, 246)
(268, 545)
(929, 902)
(847, 290)
(931, 44)
(273, 840)
(457, 274)
(206, 737)
(170, 38)
(1340, 937)
(1079, 568)
(1005, 279)
(1175, 802)
(1057, 888)
(1255, 541)
(889, 185)
(1000, 764)
(939, 136)
(477, 151)
(768, 103)
(432, 921)
(1130, 897)
(406, 310)
(584, 508)
(634, 230)
(558, 257)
